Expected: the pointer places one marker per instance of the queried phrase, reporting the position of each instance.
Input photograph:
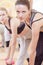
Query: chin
(22, 20)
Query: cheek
(1, 18)
(26, 16)
(5, 17)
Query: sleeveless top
(22, 25)
(34, 12)
(9, 25)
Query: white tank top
(7, 35)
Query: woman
(20, 26)
(30, 19)
(5, 20)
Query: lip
(21, 18)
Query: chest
(24, 30)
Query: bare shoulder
(38, 20)
(38, 16)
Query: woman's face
(23, 13)
(3, 16)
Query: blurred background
(9, 5)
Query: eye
(3, 14)
(23, 11)
(18, 12)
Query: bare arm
(35, 36)
(33, 43)
(12, 45)
(35, 32)
(14, 25)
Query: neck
(6, 22)
(28, 21)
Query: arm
(33, 44)
(14, 32)
(35, 36)
(35, 32)
(13, 37)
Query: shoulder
(38, 15)
(38, 19)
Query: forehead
(21, 7)
(3, 12)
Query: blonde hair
(4, 9)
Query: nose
(20, 15)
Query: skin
(35, 36)
(4, 18)
(23, 15)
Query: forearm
(34, 41)
(12, 46)
(32, 51)
(32, 46)
(13, 40)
